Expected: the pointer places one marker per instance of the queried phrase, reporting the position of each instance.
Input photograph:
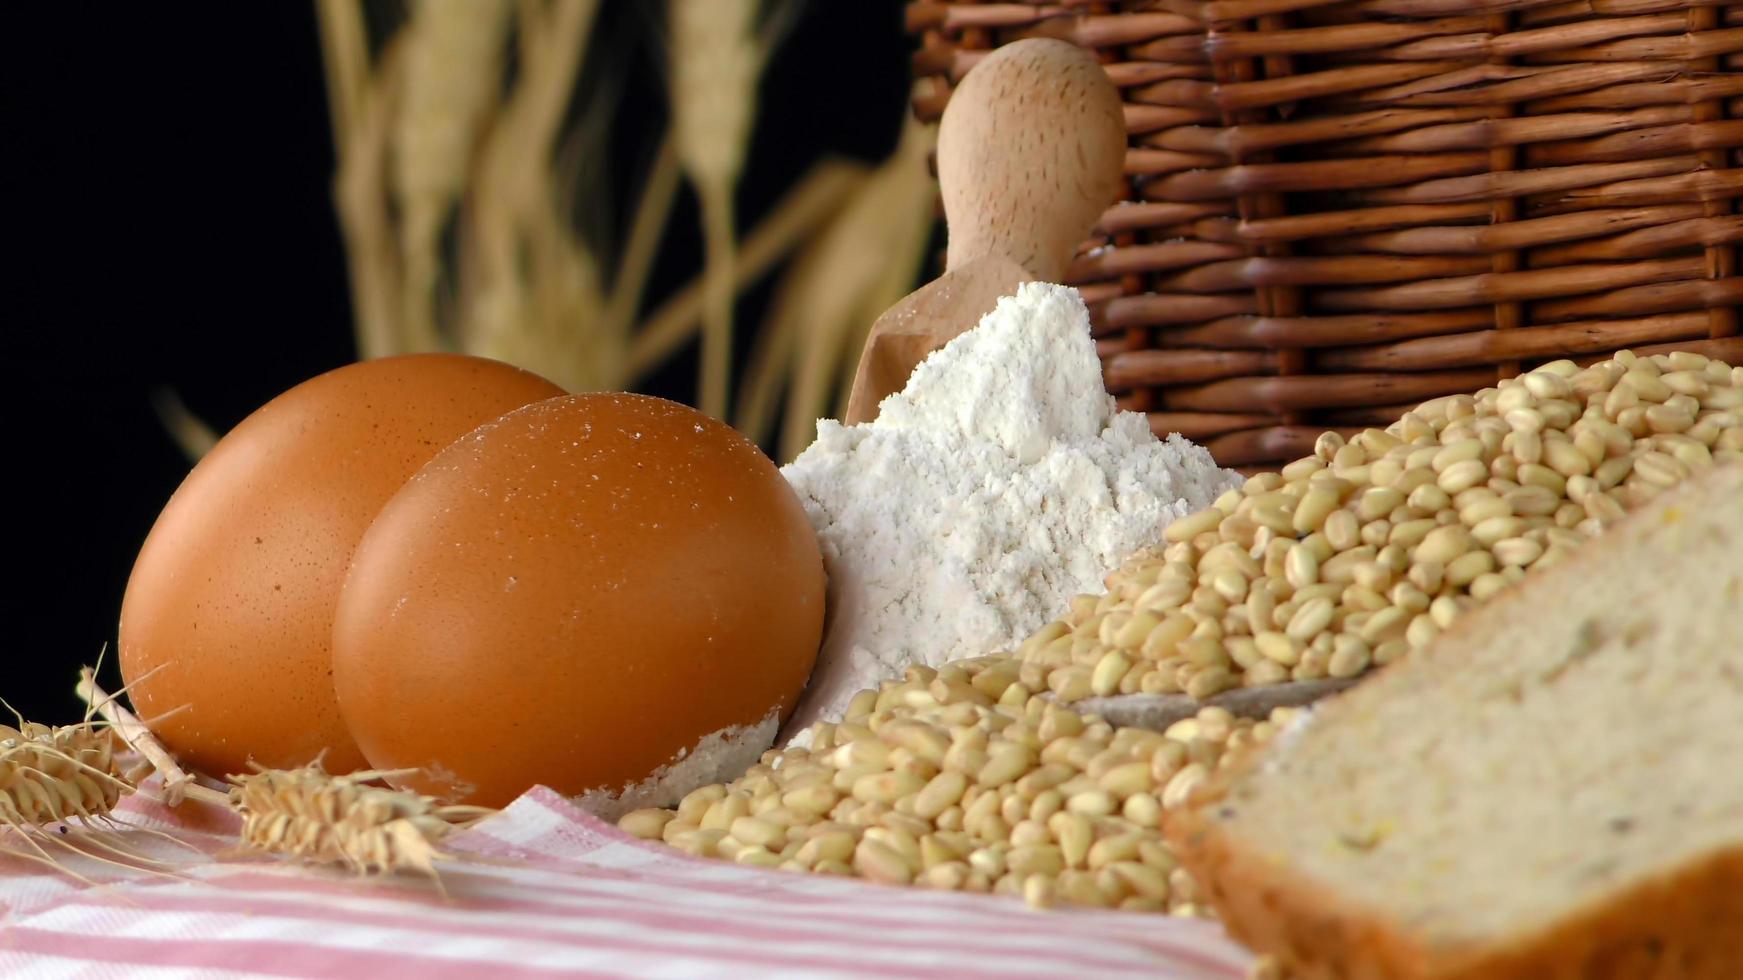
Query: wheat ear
(64, 775)
(453, 71)
(318, 817)
(716, 60)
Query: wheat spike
(531, 288)
(716, 60)
(321, 818)
(453, 71)
(63, 777)
(52, 774)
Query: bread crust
(1686, 925)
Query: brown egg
(574, 595)
(227, 623)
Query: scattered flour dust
(719, 757)
(1000, 483)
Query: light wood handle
(1030, 152)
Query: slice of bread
(1553, 789)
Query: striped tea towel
(552, 892)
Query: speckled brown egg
(227, 622)
(576, 595)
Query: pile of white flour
(1000, 483)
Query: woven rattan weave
(1334, 210)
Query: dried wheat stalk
(345, 59)
(716, 60)
(317, 817)
(434, 133)
(192, 435)
(647, 227)
(177, 783)
(453, 71)
(360, 197)
(531, 289)
(862, 263)
(802, 212)
(305, 813)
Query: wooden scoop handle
(1030, 152)
(1029, 156)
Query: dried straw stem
(178, 783)
(653, 209)
(191, 433)
(345, 55)
(816, 198)
(359, 191)
(719, 297)
(865, 261)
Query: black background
(168, 173)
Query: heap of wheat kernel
(1371, 546)
(964, 778)
(979, 776)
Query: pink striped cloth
(549, 891)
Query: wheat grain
(964, 778)
(317, 817)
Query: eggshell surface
(227, 622)
(574, 595)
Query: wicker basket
(1335, 210)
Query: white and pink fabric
(548, 891)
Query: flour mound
(1000, 483)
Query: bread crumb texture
(1555, 789)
